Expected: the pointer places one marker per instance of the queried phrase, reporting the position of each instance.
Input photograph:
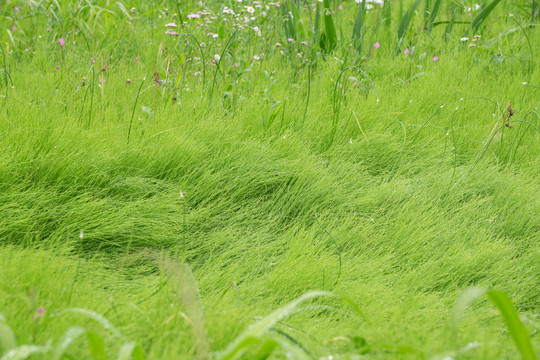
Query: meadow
(238, 179)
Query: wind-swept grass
(244, 180)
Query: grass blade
(514, 324)
(406, 20)
(131, 351)
(434, 12)
(480, 18)
(96, 346)
(358, 25)
(69, 337)
(251, 334)
(329, 42)
(7, 336)
(24, 352)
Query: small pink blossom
(170, 25)
(16, 8)
(340, 7)
(136, 59)
(57, 67)
(13, 28)
(435, 58)
(377, 45)
(406, 52)
(40, 311)
(93, 61)
(61, 41)
(469, 14)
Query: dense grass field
(245, 179)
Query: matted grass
(158, 203)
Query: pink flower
(469, 14)
(406, 52)
(93, 61)
(13, 28)
(136, 59)
(340, 7)
(377, 45)
(16, 8)
(61, 41)
(39, 312)
(57, 67)
(435, 58)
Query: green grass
(212, 214)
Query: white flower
(217, 57)
(464, 39)
(170, 25)
(256, 57)
(250, 9)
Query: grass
(162, 202)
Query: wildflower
(256, 57)
(469, 14)
(172, 33)
(128, 81)
(16, 8)
(290, 40)
(136, 59)
(259, 33)
(340, 7)
(435, 58)
(278, 44)
(477, 36)
(305, 43)
(170, 25)
(406, 52)
(193, 16)
(61, 41)
(217, 57)
(40, 311)
(13, 28)
(464, 39)
(81, 234)
(377, 45)
(57, 67)
(472, 45)
(132, 10)
(250, 9)
(93, 61)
